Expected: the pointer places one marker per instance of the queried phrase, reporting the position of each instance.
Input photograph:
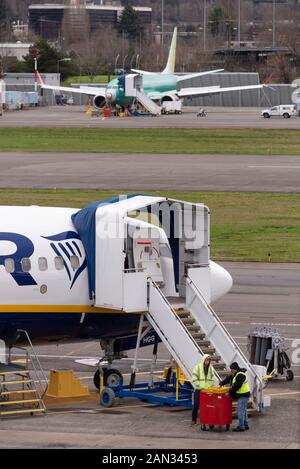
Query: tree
(48, 57)
(215, 19)
(4, 18)
(130, 23)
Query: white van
(285, 110)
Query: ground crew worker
(239, 390)
(202, 378)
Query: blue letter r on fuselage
(25, 249)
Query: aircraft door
(146, 254)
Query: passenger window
(74, 262)
(43, 263)
(9, 265)
(59, 263)
(26, 264)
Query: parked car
(284, 110)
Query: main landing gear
(111, 376)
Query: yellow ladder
(18, 394)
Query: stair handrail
(234, 343)
(38, 363)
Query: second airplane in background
(147, 87)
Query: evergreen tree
(48, 58)
(130, 23)
(4, 18)
(216, 17)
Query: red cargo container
(215, 409)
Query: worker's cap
(234, 366)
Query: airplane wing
(200, 74)
(207, 90)
(90, 90)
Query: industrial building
(47, 20)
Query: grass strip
(245, 226)
(169, 141)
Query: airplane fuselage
(44, 280)
(154, 83)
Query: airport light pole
(239, 23)
(67, 59)
(204, 26)
(162, 29)
(274, 24)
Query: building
(47, 20)
(14, 50)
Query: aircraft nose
(220, 281)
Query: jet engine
(99, 101)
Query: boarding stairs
(194, 329)
(21, 386)
(147, 103)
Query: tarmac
(217, 117)
(140, 172)
(262, 294)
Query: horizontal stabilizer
(143, 72)
(200, 74)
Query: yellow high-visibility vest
(245, 386)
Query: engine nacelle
(99, 102)
(168, 97)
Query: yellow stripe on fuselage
(58, 309)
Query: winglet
(170, 67)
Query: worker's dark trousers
(196, 405)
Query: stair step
(198, 335)
(26, 411)
(5, 373)
(24, 401)
(203, 342)
(223, 372)
(208, 350)
(220, 366)
(215, 358)
(24, 391)
(183, 312)
(18, 381)
(193, 328)
(188, 321)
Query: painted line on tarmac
(274, 324)
(275, 167)
(284, 393)
(96, 411)
(89, 358)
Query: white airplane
(82, 274)
(158, 87)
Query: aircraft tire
(111, 378)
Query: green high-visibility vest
(245, 386)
